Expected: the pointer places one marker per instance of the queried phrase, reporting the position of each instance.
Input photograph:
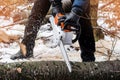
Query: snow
(42, 50)
(4, 22)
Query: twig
(18, 22)
(107, 32)
(102, 7)
(110, 51)
(112, 48)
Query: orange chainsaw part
(56, 21)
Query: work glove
(71, 20)
(56, 7)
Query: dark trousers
(39, 11)
(86, 40)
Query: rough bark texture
(93, 13)
(57, 70)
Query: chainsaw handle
(56, 19)
(67, 27)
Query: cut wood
(57, 70)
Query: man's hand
(71, 21)
(56, 7)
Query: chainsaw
(61, 36)
(58, 35)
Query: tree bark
(93, 13)
(57, 70)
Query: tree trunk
(93, 13)
(57, 70)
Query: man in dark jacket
(78, 14)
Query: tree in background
(94, 16)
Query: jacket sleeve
(81, 4)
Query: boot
(19, 55)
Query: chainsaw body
(59, 36)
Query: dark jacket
(82, 4)
(78, 6)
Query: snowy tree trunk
(57, 70)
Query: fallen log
(57, 70)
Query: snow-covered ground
(43, 51)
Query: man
(78, 15)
